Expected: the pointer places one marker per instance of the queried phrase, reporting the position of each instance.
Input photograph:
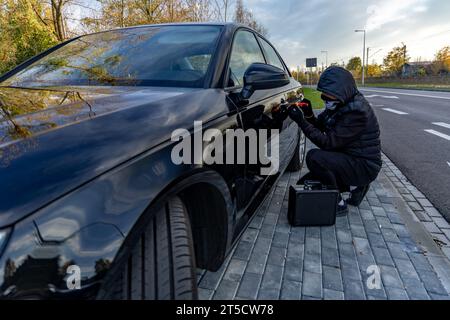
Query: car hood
(53, 140)
(27, 112)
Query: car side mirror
(261, 76)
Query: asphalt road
(415, 133)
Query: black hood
(339, 83)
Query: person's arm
(319, 121)
(306, 106)
(311, 119)
(347, 130)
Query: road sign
(311, 62)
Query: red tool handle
(301, 104)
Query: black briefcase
(312, 205)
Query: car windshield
(172, 56)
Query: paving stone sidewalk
(395, 229)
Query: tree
(124, 13)
(441, 63)
(239, 14)
(58, 21)
(395, 60)
(28, 27)
(200, 10)
(222, 9)
(112, 14)
(374, 70)
(53, 14)
(244, 16)
(354, 64)
(23, 34)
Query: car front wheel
(298, 158)
(162, 263)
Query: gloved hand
(296, 114)
(306, 106)
(280, 113)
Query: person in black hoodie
(348, 136)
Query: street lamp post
(326, 57)
(364, 55)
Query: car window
(245, 52)
(172, 56)
(271, 55)
(199, 62)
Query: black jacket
(352, 128)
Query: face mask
(331, 105)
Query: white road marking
(442, 124)
(395, 111)
(377, 105)
(408, 94)
(439, 134)
(380, 96)
(448, 164)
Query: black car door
(257, 116)
(292, 94)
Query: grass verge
(314, 96)
(394, 85)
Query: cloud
(389, 11)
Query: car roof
(186, 24)
(228, 25)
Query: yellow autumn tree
(442, 60)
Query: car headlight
(3, 237)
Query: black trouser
(337, 170)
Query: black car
(91, 203)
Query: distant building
(412, 69)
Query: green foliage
(396, 59)
(354, 64)
(22, 35)
(28, 27)
(442, 61)
(422, 72)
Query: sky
(301, 29)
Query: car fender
(88, 227)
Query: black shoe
(342, 210)
(357, 196)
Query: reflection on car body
(85, 154)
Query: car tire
(298, 158)
(162, 263)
